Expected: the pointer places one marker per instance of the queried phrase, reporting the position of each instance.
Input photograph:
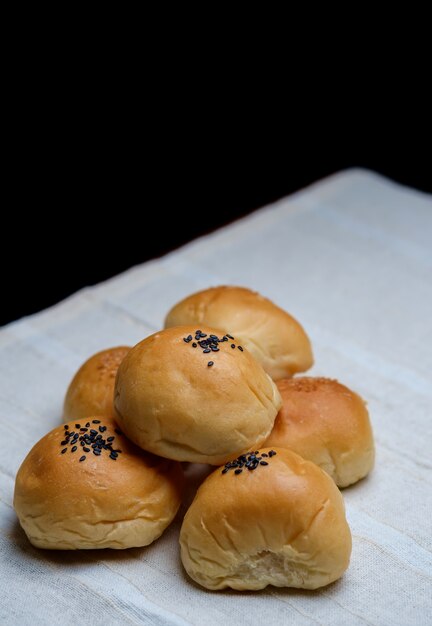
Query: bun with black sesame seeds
(327, 423)
(267, 518)
(273, 336)
(84, 485)
(91, 389)
(193, 394)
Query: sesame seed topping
(249, 461)
(210, 363)
(66, 427)
(89, 440)
(209, 343)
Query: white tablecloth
(350, 257)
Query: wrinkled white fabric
(350, 257)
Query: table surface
(350, 257)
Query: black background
(82, 218)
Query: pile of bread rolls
(216, 386)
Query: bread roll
(327, 423)
(275, 338)
(278, 520)
(74, 490)
(194, 395)
(92, 388)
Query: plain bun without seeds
(327, 423)
(273, 336)
(267, 518)
(92, 388)
(193, 394)
(85, 486)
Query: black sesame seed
(238, 471)
(210, 363)
(215, 349)
(77, 425)
(102, 429)
(110, 438)
(64, 450)
(194, 345)
(206, 351)
(88, 424)
(232, 345)
(64, 442)
(83, 430)
(185, 339)
(83, 458)
(74, 449)
(97, 452)
(229, 336)
(264, 454)
(240, 348)
(272, 453)
(66, 427)
(93, 431)
(224, 471)
(86, 449)
(114, 458)
(96, 421)
(263, 463)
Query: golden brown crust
(273, 336)
(281, 524)
(91, 390)
(65, 504)
(327, 423)
(170, 402)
